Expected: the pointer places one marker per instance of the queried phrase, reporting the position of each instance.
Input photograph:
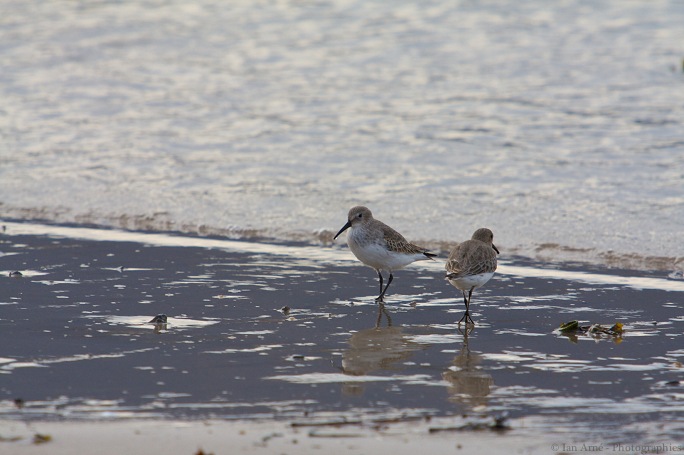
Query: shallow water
(77, 341)
(559, 127)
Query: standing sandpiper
(471, 264)
(379, 246)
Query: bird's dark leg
(466, 316)
(470, 295)
(381, 297)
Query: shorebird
(470, 265)
(379, 246)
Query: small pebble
(159, 319)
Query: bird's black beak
(344, 228)
(495, 249)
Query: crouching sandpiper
(470, 265)
(379, 246)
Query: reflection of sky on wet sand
(85, 346)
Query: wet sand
(233, 366)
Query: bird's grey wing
(471, 259)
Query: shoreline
(323, 238)
(338, 254)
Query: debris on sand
(39, 438)
(159, 319)
(572, 328)
(498, 425)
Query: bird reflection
(382, 311)
(469, 384)
(377, 348)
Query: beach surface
(255, 437)
(280, 348)
(189, 164)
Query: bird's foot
(466, 319)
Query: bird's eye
(360, 215)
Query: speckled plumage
(378, 245)
(473, 257)
(471, 264)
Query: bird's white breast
(466, 283)
(374, 252)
